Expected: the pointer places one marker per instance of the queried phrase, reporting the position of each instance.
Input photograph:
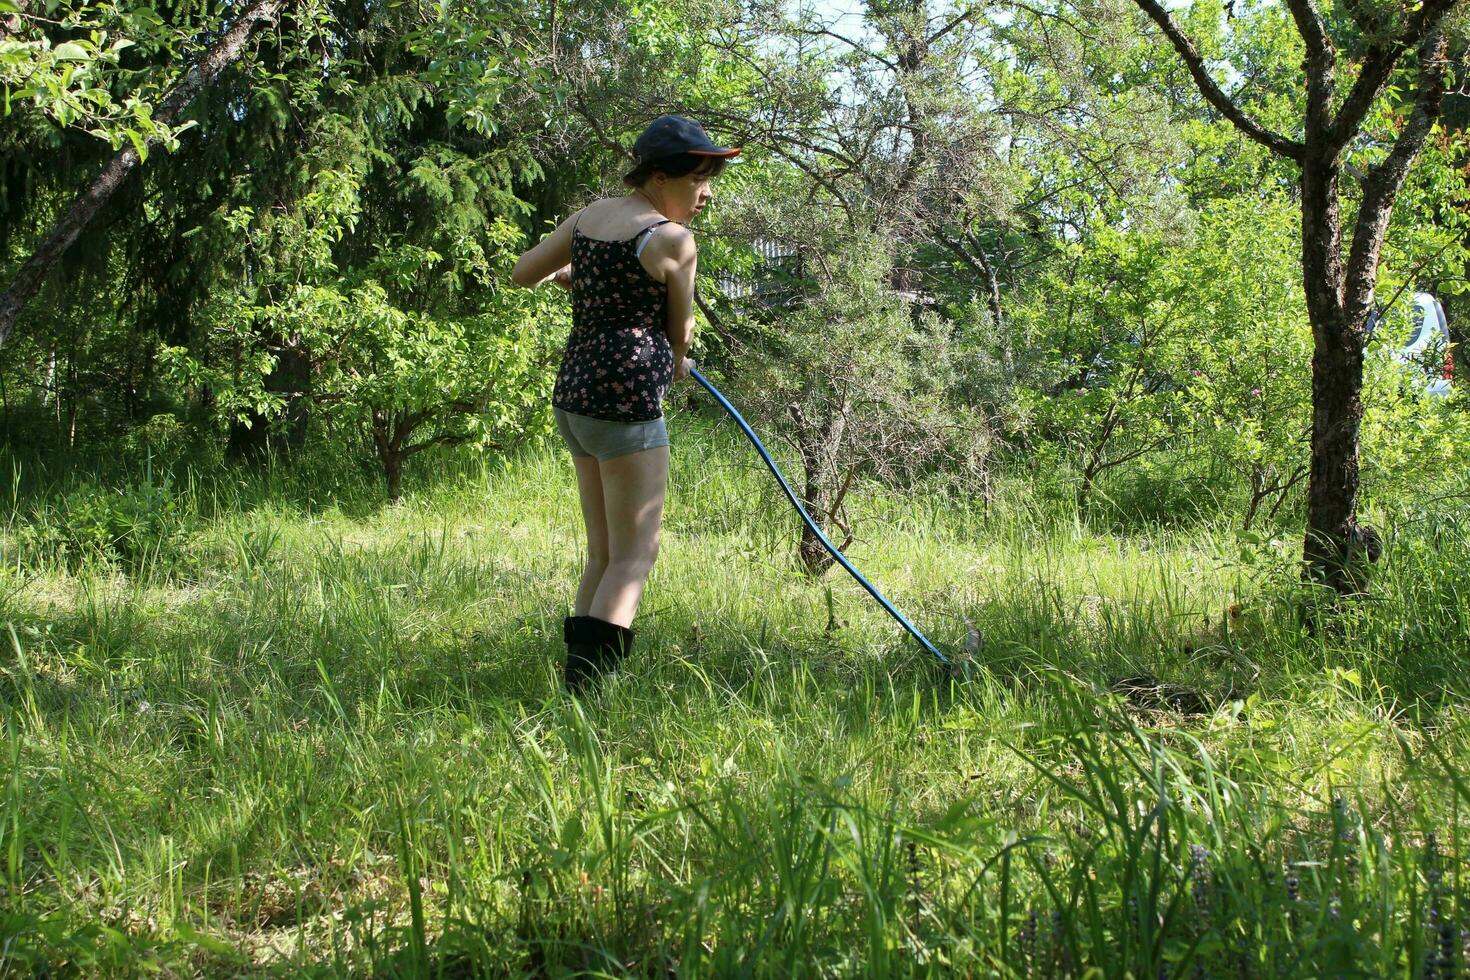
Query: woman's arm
(679, 262)
(548, 258)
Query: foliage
(166, 444)
(247, 709)
(1413, 444)
(1150, 363)
(140, 526)
(68, 74)
(371, 294)
(1116, 320)
(1248, 391)
(404, 380)
(859, 382)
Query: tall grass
(306, 732)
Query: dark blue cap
(669, 136)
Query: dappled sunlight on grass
(276, 748)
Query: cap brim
(719, 151)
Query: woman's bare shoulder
(671, 232)
(590, 210)
(675, 239)
(600, 205)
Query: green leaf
(71, 51)
(139, 144)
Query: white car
(1428, 347)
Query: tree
(1365, 43)
(376, 265)
(340, 207)
(406, 381)
(33, 272)
(861, 386)
(1118, 305)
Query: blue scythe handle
(812, 525)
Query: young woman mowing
(629, 264)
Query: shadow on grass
(355, 643)
(116, 653)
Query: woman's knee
(642, 545)
(632, 567)
(647, 549)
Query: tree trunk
(33, 273)
(993, 297)
(290, 378)
(48, 386)
(392, 428)
(1337, 378)
(814, 558)
(1337, 416)
(1339, 299)
(821, 498)
(393, 473)
(387, 447)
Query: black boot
(582, 652)
(614, 642)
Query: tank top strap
(643, 236)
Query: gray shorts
(598, 437)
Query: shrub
(137, 526)
(164, 443)
(861, 386)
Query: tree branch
(1320, 66)
(1378, 65)
(1278, 144)
(715, 322)
(827, 32)
(956, 22)
(1384, 181)
(31, 275)
(597, 130)
(1044, 15)
(443, 439)
(979, 264)
(961, 253)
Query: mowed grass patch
(332, 741)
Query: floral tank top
(618, 364)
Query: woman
(629, 264)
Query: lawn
(299, 731)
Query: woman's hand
(563, 277)
(681, 370)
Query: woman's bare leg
(594, 515)
(633, 488)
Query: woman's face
(684, 197)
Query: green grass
(302, 732)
